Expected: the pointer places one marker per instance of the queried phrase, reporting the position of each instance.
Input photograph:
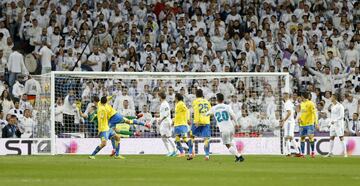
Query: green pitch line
(164, 171)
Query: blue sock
(97, 149)
(136, 122)
(117, 149)
(302, 146)
(190, 145)
(207, 147)
(179, 147)
(312, 146)
(113, 143)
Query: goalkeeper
(115, 118)
(122, 129)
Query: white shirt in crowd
(32, 87)
(18, 89)
(16, 63)
(29, 125)
(68, 108)
(127, 112)
(59, 113)
(45, 54)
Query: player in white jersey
(166, 125)
(224, 116)
(336, 124)
(288, 124)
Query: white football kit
(165, 125)
(337, 120)
(223, 114)
(289, 124)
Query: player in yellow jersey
(181, 126)
(307, 122)
(105, 132)
(201, 124)
(116, 118)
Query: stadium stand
(316, 41)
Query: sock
(190, 145)
(233, 151)
(331, 146)
(113, 143)
(295, 145)
(288, 146)
(207, 147)
(344, 147)
(178, 144)
(97, 149)
(136, 122)
(117, 149)
(166, 143)
(302, 146)
(312, 146)
(172, 145)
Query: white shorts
(289, 128)
(227, 137)
(336, 131)
(165, 129)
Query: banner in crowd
(266, 146)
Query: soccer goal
(256, 99)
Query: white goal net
(255, 98)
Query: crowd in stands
(316, 41)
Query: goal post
(257, 95)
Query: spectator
(32, 89)
(29, 124)
(18, 88)
(45, 55)
(17, 110)
(6, 103)
(59, 126)
(16, 66)
(12, 129)
(69, 112)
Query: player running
(181, 126)
(166, 125)
(223, 115)
(201, 124)
(288, 124)
(105, 132)
(337, 124)
(307, 122)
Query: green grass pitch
(163, 171)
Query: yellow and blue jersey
(111, 111)
(307, 113)
(201, 106)
(103, 119)
(181, 114)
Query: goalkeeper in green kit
(121, 128)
